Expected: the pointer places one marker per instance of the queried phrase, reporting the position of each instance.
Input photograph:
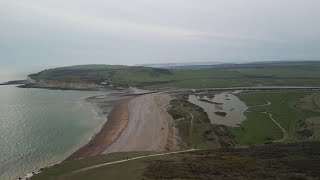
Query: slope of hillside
(258, 74)
(273, 161)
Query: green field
(306, 74)
(286, 107)
(257, 129)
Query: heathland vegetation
(272, 161)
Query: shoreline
(123, 118)
(65, 87)
(117, 120)
(27, 83)
(113, 108)
(118, 109)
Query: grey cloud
(61, 32)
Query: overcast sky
(47, 33)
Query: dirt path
(191, 125)
(150, 127)
(266, 104)
(285, 133)
(131, 159)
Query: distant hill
(217, 65)
(178, 65)
(106, 74)
(294, 73)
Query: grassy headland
(301, 74)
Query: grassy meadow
(289, 109)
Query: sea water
(41, 127)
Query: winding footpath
(267, 104)
(191, 125)
(131, 159)
(285, 133)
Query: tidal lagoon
(224, 108)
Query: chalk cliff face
(30, 80)
(67, 85)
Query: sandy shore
(138, 123)
(111, 130)
(150, 127)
